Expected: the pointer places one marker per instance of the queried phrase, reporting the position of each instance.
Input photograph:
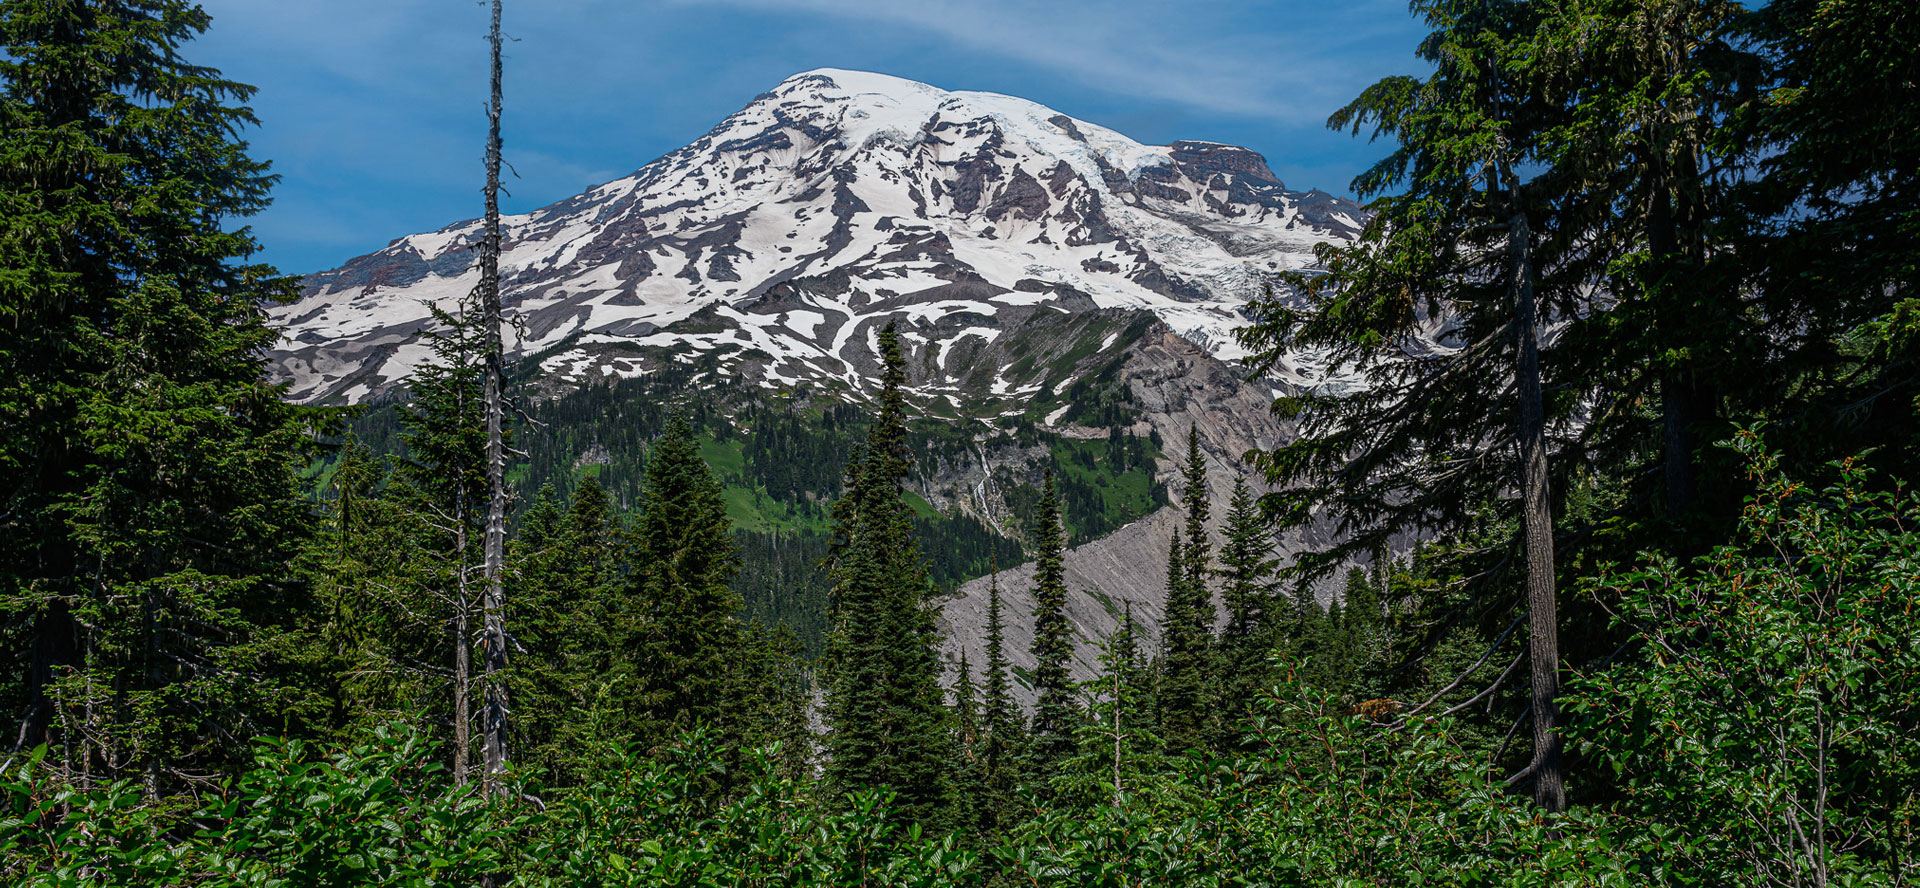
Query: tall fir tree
(568, 598)
(688, 626)
(1120, 754)
(887, 721)
(1470, 223)
(537, 593)
(1841, 180)
(146, 461)
(1256, 619)
(966, 706)
(1184, 697)
(1000, 722)
(444, 430)
(382, 575)
(1646, 120)
(1246, 571)
(773, 691)
(1051, 741)
(1199, 508)
(1363, 641)
(399, 573)
(969, 741)
(788, 713)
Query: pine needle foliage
(147, 480)
(1259, 619)
(887, 721)
(688, 626)
(1185, 688)
(1054, 713)
(1002, 725)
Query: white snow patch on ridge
(838, 201)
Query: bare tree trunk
(153, 678)
(1116, 735)
(90, 714)
(494, 642)
(1549, 773)
(462, 666)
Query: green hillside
(780, 460)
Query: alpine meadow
(908, 486)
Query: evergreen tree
(444, 431)
(1186, 633)
(966, 707)
(1840, 181)
(1458, 232)
(969, 770)
(774, 690)
(1130, 657)
(1256, 619)
(1362, 641)
(399, 572)
(1323, 660)
(886, 714)
(540, 527)
(1000, 722)
(1246, 572)
(151, 511)
(1644, 122)
(567, 598)
(1120, 754)
(687, 627)
(381, 576)
(1199, 551)
(1054, 717)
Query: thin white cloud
(1189, 53)
(372, 108)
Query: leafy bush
(378, 813)
(663, 824)
(1770, 732)
(381, 813)
(1764, 733)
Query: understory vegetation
(1602, 564)
(1764, 735)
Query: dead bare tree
(493, 644)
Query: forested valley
(1625, 588)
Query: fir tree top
(1052, 740)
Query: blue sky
(371, 110)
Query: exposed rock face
(1212, 162)
(832, 204)
(1178, 384)
(1018, 249)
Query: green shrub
(379, 813)
(1764, 732)
(1769, 731)
(665, 825)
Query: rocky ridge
(781, 240)
(1019, 250)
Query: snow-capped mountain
(779, 242)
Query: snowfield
(832, 204)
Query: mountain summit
(781, 240)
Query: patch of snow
(780, 213)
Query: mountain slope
(1062, 291)
(783, 238)
(1173, 384)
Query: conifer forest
(1600, 566)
